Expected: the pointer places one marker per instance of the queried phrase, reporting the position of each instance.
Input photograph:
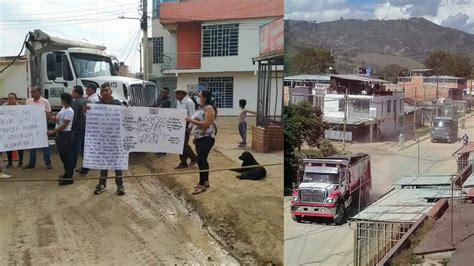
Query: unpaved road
(318, 243)
(44, 224)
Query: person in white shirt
(92, 94)
(36, 99)
(184, 102)
(65, 137)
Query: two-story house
(209, 44)
(369, 107)
(422, 85)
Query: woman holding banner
(204, 136)
(65, 138)
(12, 100)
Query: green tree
(446, 63)
(391, 72)
(311, 61)
(302, 123)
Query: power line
(49, 14)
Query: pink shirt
(41, 101)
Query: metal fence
(375, 239)
(337, 135)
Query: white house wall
(169, 45)
(245, 87)
(248, 48)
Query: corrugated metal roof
(421, 69)
(425, 180)
(308, 77)
(359, 78)
(465, 149)
(443, 77)
(350, 120)
(402, 205)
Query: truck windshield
(317, 177)
(91, 65)
(442, 124)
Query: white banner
(154, 129)
(113, 131)
(22, 127)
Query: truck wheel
(296, 218)
(340, 214)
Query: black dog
(252, 173)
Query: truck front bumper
(315, 211)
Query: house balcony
(171, 62)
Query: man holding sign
(36, 99)
(106, 98)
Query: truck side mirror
(51, 66)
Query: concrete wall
(169, 45)
(188, 45)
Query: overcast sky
(458, 14)
(92, 21)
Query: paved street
(318, 243)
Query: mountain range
(376, 43)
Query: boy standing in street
(243, 122)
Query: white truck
(331, 186)
(56, 65)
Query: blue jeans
(77, 147)
(46, 156)
(243, 131)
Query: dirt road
(42, 223)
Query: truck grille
(310, 195)
(142, 96)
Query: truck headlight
(295, 198)
(331, 200)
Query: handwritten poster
(154, 129)
(103, 144)
(22, 127)
(112, 132)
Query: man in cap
(184, 102)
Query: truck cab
(330, 186)
(444, 129)
(57, 65)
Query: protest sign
(103, 144)
(154, 129)
(114, 131)
(22, 127)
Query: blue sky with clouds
(90, 21)
(458, 14)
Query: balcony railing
(191, 60)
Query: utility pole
(437, 97)
(140, 50)
(144, 26)
(414, 115)
(345, 119)
(418, 141)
